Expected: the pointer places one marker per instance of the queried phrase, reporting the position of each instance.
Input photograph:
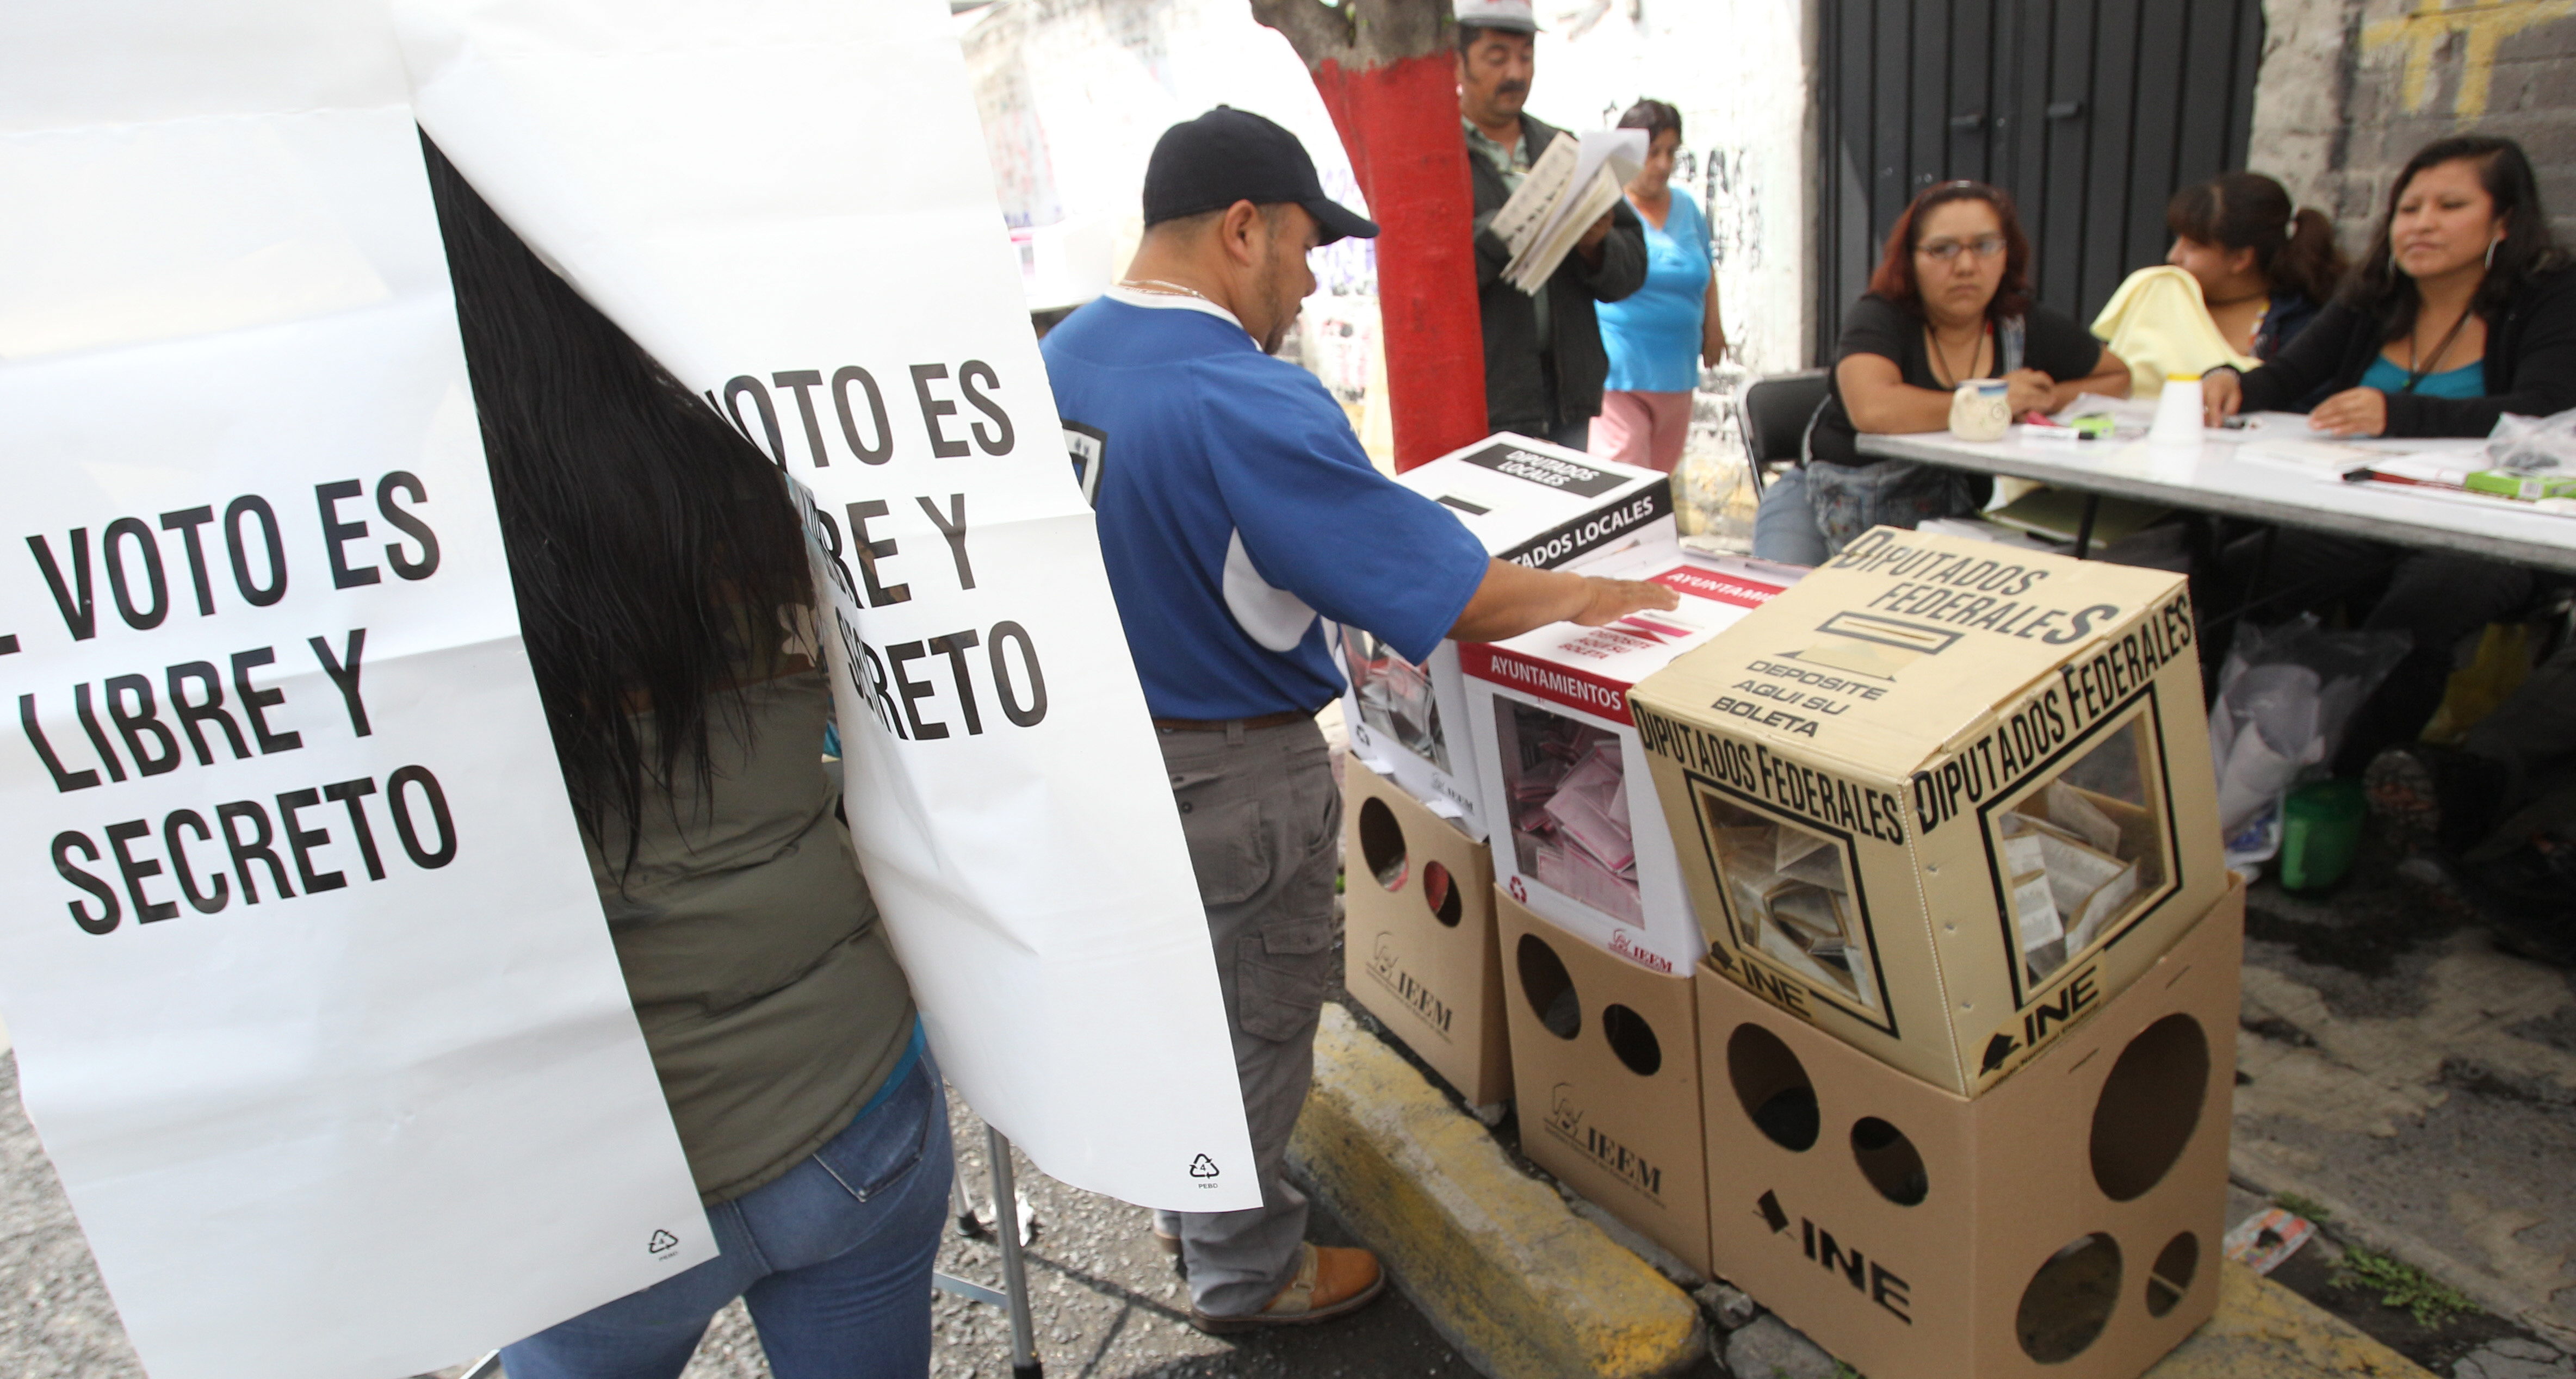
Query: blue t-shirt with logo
(1238, 514)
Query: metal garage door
(2090, 112)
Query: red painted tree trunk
(1399, 121)
(1386, 71)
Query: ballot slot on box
(1606, 1056)
(1419, 946)
(1942, 800)
(1566, 779)
(1526, 501)
(2066, 1222)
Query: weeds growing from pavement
(2297, 1205)
(2403, 1286)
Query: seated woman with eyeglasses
(1950, 302)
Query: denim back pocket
(878, 1149)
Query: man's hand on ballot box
(1514, 599)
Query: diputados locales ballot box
(1941, 798)
(1530, 503)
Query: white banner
(314, 1003)
(788, 204)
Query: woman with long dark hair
(1950, 301)
(2461, 313)
(661, 576)
(2464, 311)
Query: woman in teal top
(2466, 381)
(1658, 336)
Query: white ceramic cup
(1981, 410)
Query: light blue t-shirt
(1236, 506)
(1653, 334)
(2466, 381)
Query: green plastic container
(2320, 833)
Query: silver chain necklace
(1159, 288)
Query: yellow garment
(2157, 322)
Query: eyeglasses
(1944, 250)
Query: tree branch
(1357, 33)
(1318, 32)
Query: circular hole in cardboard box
(1890, 1161)
(1773, 1087)
(1549, 988)
(2069, 1300)
(2150, 1105)
(1440, 892)
(1633, 1040)
(1382, 843)
(2170, 1276)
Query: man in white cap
(1544, 364)
(1238, 515)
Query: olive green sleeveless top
(767, 991)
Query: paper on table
(853, 303)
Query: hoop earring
(2491, 248)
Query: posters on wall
(315, 1009)
(787, 204)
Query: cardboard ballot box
(1941, 797)
(1418, 934)
(2066, 1223)
(1606, 1057)
(1565, 777)
(1528, 501)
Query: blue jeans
(833, 1260)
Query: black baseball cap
(1229, 155)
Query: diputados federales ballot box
(1941, 798)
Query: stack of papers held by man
(1574, 183)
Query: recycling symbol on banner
(1203, 1167)
(663, 1242)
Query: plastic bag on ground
(2283, 701)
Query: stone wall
(2349, 90)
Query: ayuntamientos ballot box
(1942, 797)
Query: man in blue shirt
(1238, 517)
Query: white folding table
(2217, 475)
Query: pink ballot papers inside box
(1564, 774)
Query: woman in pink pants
(1658, 336)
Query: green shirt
(767, 991)
(1513, 164)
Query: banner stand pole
(1015, 1277)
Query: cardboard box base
(2065, 1223)
(1606, 1056)
(1419, 949)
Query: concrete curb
(2265, 1331)
(1504, 1270)
(2260, 1173)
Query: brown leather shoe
(1331, 1282)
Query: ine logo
(1202, 1167)
(1867, 1277)
(662, 1243)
